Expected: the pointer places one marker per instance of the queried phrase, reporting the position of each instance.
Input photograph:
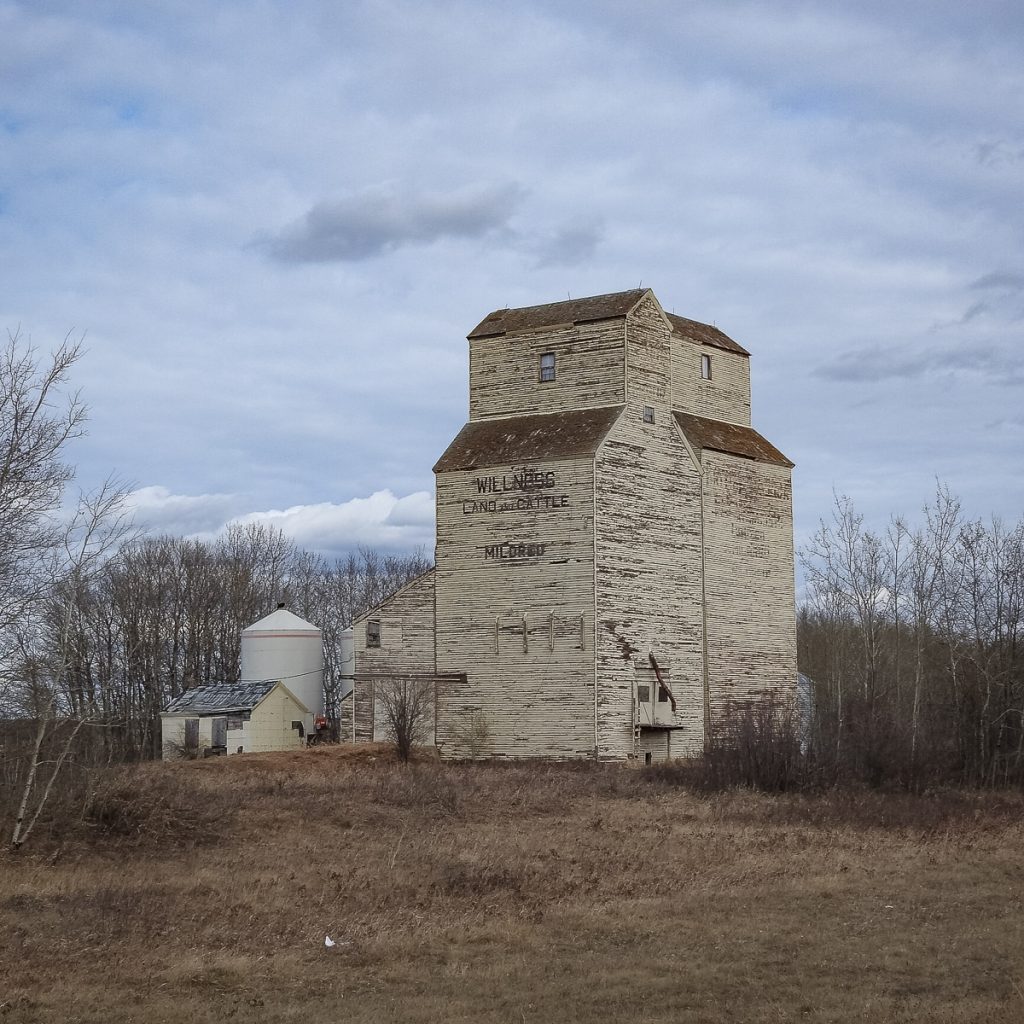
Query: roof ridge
(590, 308)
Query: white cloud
(380, 521)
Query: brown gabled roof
(503, 442)
(572, 311)
(730, 438)
(704, 334)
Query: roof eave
(783, 461)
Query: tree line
(101, 627)
(165, 614)
(912, 638)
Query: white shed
(234, 718)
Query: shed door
(219, 732)
(192, 733)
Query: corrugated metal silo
(283, 646)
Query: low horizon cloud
(382, 520)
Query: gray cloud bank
(1001, 280)
(878, 363)
(376, 221)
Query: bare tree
(37, 420)
(952, 590)
(99, 524)
(46, 558)
(407, 706)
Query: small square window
(373, 633)
(643, 694)
(662, 695)
(648, 414)
(705, 367)
(547, 366)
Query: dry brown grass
(478, 893)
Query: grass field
(203, 891)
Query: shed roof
(505, 441)
(572, 311)
(220, 697)
(704, 334)
(730, 438)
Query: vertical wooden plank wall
(406, 645)
(648, 589)
(537, 701)
(751, 603)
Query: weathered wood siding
(657, 745)
(270, 725)
(510, 560)
(749, 586)
(726, 396)
(552, 609)
(363, 711)
(648, 552)
(172, 732)
(406, 645)
(504, 371)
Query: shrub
(153, 806)
(758, 747)
(474, 735)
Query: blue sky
(275, 223)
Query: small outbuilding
(234, 718)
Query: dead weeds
(533, 892)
